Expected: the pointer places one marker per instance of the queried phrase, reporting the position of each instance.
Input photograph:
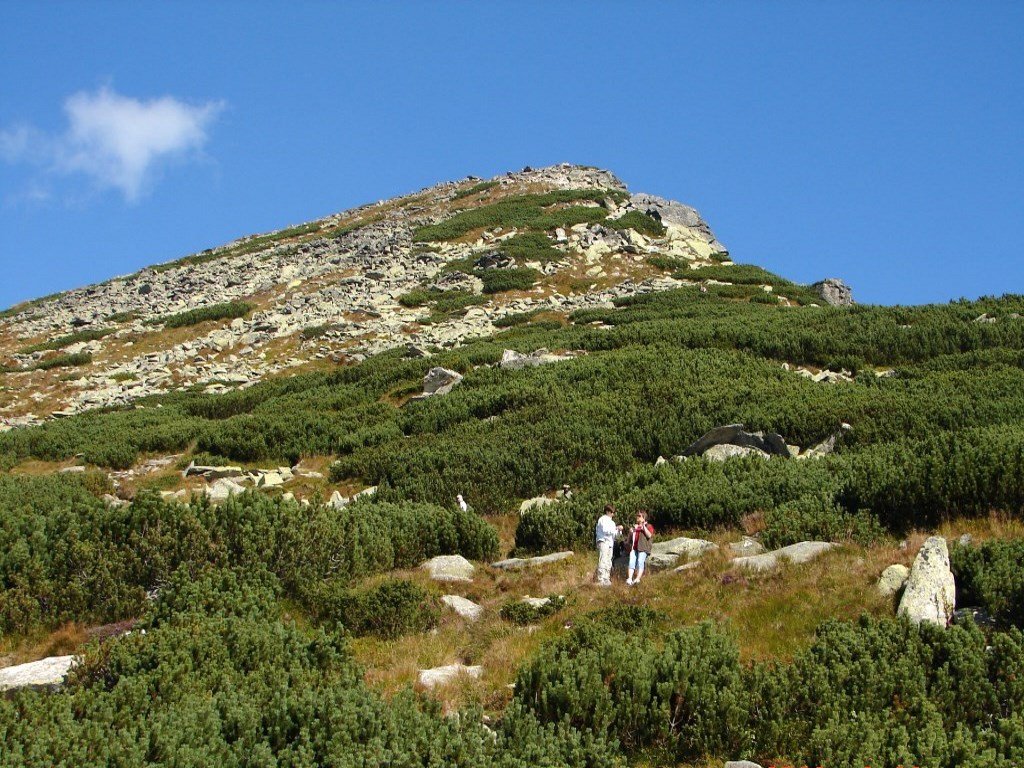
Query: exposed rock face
(892, 580)
(45, 674)
(449, 568)
(930, 594)
(467, 609)
(440, 381)
(834, 292)
(518, 563)
(734, 434)
(429, 678)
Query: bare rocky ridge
(338, 279)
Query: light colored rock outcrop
(665, 554)
(45, 674)
(537, 501)
(518, 563)
(449, 568)
(467, 609)
(429, 678)
(800, 552)
(930, 594)
(892, 580)
(725, 452)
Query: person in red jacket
(640, 540)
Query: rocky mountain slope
(427, 271)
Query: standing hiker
(604, 535)
(639, 547)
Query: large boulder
(834, 292)
(930, 594)
(518, 563)
(45, 674)
(734, 434)
(221, 490)
(449, 568)
(665, 554)
(800, 552)
(440, 675)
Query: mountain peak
(426, 270)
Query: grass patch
(519, 318)
(521, 211)
(120, 317)
(641, 222)
(531, 246)
(91, 334)
(63, 361)
(228, 310)
(499, 280)
(443, 303)
(668, 263)
(317, 331)
(476, 189)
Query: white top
(606, 530)
(462, 503)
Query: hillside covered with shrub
(283, 626)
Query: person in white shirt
(604, 535)
(462, 503)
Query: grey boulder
(449, 568)
(665, 554)
(834, 292)
(801, 552)
(466, 608)
(518, 563)
(440, 381)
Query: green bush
(522, 212)
(531, 246)
(388, 611)
(989, 576)
(220, 677)
(499, 280)
(67, 556)
(818, 518)
(476, 189)
(522, 613)
(64, 361)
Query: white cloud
(117, 141)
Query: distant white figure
(605, 533)
(462, 503)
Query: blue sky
(878, 142)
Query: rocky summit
(423, 272)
